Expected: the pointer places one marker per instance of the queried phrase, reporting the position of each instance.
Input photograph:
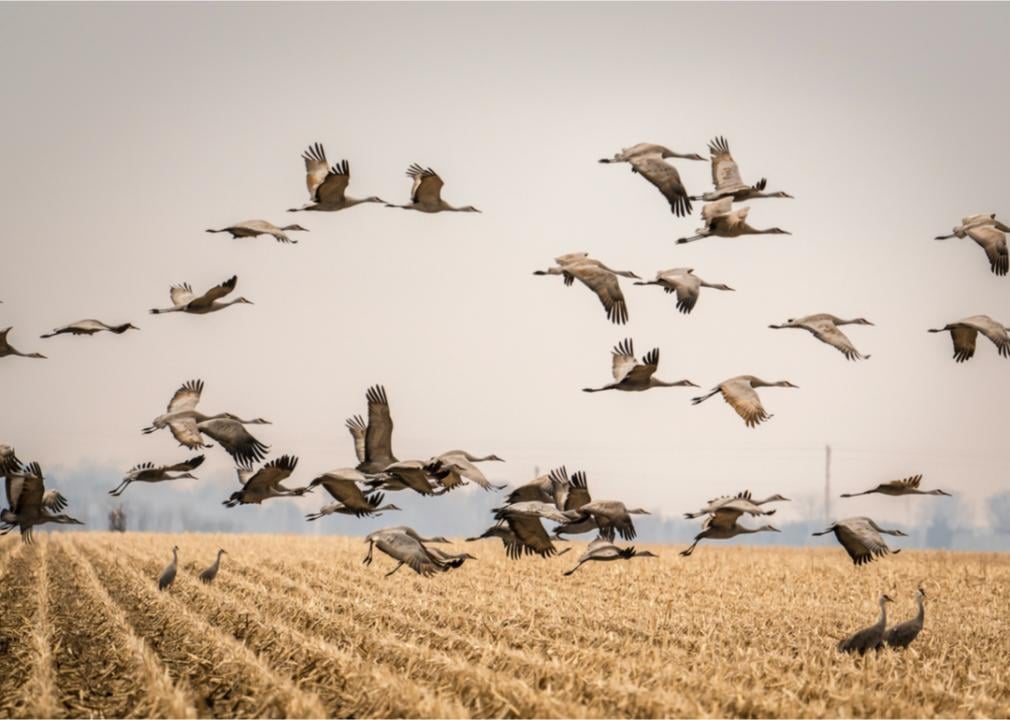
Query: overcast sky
(129, 129)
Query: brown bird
(861, 538)
(426, 193)
(265, 483)
(633, 376)
(739, 393)
(7, 349)
(908, 486)
(686, 284)
(373, 442)
(327, 185)
(988, 232)
(964, 333)
(596, 276)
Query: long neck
(921, 615)
(882, 621)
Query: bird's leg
(703, 398)
(368, 557)
(395, 569)
(119, 488)
(687, 553)
(569, 572)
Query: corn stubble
(298, 627)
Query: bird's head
(260, 421)
(469, 208)
(787, 384)
(778, 231)
(294, 227)
(175, 548)
(770, 528)
(781, 194)
(222, 551)
(921, 592)
(886, 598)
(777, 498)
(899, 533)
(243, 301)
(636, 511)
(646, 553)
(494, 458)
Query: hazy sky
(129, 129)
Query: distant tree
(999, 512)
(117, 519)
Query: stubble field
(298, 627)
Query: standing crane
(686, 284)
(740, 394)
(186, 301)
(869, 638)
(7, 349)
(89, 327)
(824, 327)
(255, 228)
(902, 634)
(861, 538)
(208, 575)
(964, 333)
(990, 235)
(328, 185)
(426, 193)
(630, 375)
(167, 576)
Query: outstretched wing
(181, 294)
(725, 173)
(666, 179)
(315, 168)
(623, 359)
(641, 373)
(604, 284)
(331, 191)
(827, 332)
(994, 243)
(744, 399)
(192, 464)
(215, 293)
(186, 397)
(356, 426)
(964, 342)
(427, 189)
(379, 435)
(235, 439)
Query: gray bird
(869, 638)
(168, 574)
(860, 536)
(902, 634)
(208, 575)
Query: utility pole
(827, 484)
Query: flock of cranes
(555, 497)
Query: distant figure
(870, 638)
(208, 575)
(168, 574)
(902, 634)
(117, 519)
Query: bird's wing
(342, 488)
(316, 168)
(186, 397)
(427, 189)
(861, 541)
(578, 492)
(666, 179)
(467, 469)
(529, 531)
(828, 332)
(744, 399)
(725, 173)
(235, 439)
(688, 288)
(331, 190)
(623, 359)
(356, 426)
(29, 496)
(53, 500)
(712, 210)
(412, 475)
(215, 293)
(994, 243)
(909, 482)
(181, 294)
(964, 342)
(641, 373)
(271, 474)
(192, 464)
(604, 284)
(413, 553)
(379, 435)
(992, 330)
(186, 432)
(14, 484)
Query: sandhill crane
(738, 504)
(255, 228)
(326, 184)
(633, 376)
(860, 536)
(541, 489)
(404, 546)
(373, 442)
(451, 560)
(647, 160)
(185, 300)
(451, 468)
(186, 424)
(727, 180)
(870, 638)
(596, 276)
(523, 531)
(988, 232)
(265, 483)
(167, 576)
(907, 486)
(407, 474)
(570, 494)
(30, 504)
(426, 193)
(151, 473)
(721, 220)
(7, 349)
(824, 327)
(208, 575)
(723, 525)
(610, 515)
(685, 283)
(902, 634)
(964, 332)
(602, 550)
(89, 327)
(739, 393)
(343, 485)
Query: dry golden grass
(297, 627)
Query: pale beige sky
(128, 129)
